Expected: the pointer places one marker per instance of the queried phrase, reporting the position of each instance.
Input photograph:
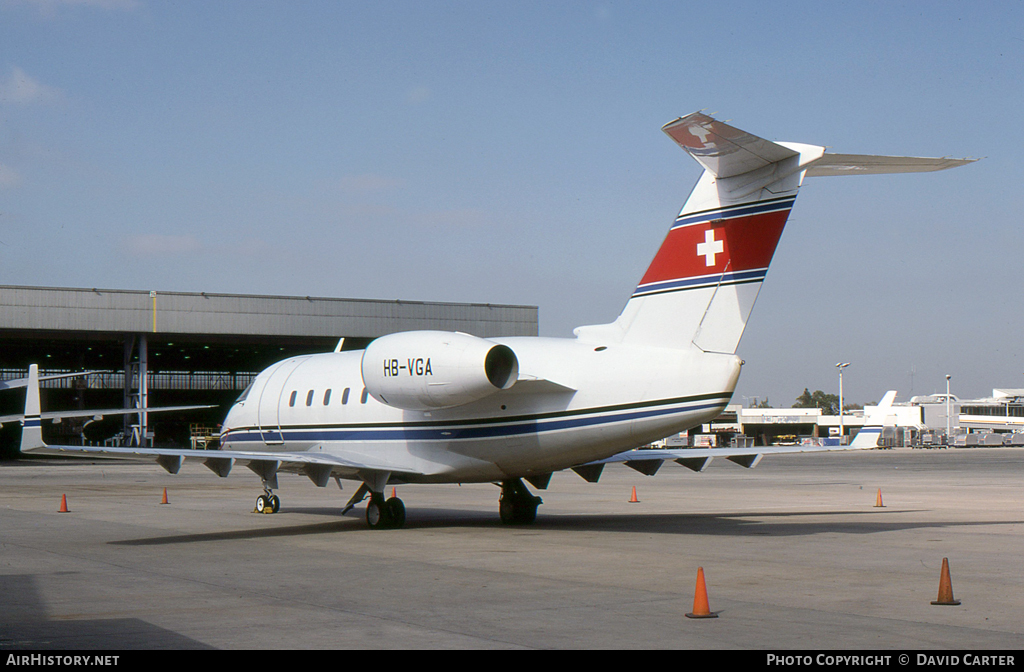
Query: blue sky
(511, 153)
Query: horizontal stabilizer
(866, 164)
(723, 150)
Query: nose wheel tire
(268, 504)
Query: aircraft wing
(320, 467)
(648, 460)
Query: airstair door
(271, 398)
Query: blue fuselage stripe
(455, 433)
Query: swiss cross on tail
(732, 244)
(710, 247)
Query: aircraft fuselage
(574, 402)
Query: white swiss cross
(710, 247)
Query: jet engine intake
(423, 370)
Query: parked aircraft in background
(442, 407)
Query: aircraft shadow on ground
(26, 625)
(773, 524)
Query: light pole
(947, 408)
(841, 366)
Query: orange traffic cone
(701, 609)
(63, 504)
(393, 491)
(164, 501)
(878, 500)
(945, 587)
(632, 498)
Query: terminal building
(923, 421)
(154, 348)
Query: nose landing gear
(268, 503)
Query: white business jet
(443, 407)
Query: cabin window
(291, 399)
(309, 398)
(362, 399)
(344, 396)
(327, 397)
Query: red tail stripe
(746, 243)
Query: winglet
(871, 432)
(32, 425)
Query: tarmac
(795, 553)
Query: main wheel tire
(526, 513)
(275, 504)
(396, 512)
(507, 512)
(517, 511)
(377, 515)
(261, 504)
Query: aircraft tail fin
(32, 424)
(874, 421)
(700, 288)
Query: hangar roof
(50, 309)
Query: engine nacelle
(423, 370)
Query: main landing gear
(516, 505)
(381, 513)
(385, 514)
